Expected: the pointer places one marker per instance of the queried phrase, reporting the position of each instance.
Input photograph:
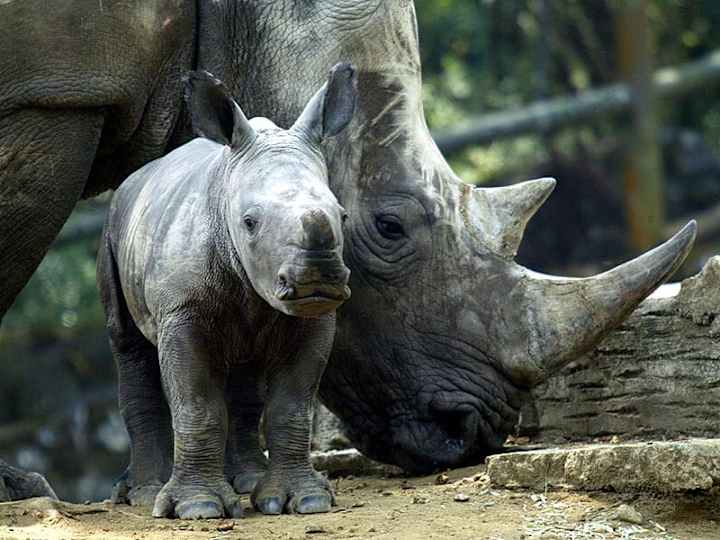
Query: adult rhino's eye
(389, 227)
(250, 223)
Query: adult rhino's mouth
(456, 417)
(444, 443)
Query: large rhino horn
(505, 211)
(556, 319)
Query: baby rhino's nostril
(283, 290)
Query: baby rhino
(220, 271)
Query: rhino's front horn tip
(688, 232)
(540, 189)
(572, 315)
(681, 244)
(548, 182)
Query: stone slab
(350, 462)
(663, 467)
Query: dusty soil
(458, 505)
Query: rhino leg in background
(39, 190)
(245, 462)
(16, 484)
(292, 483)
(37, 193)
(140, 397)
(58, 92)
(194, 384)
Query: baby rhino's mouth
(290, 295)
(312, 286)
(308, 294)
(311, 300)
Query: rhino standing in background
(444, 333)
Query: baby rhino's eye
(250, 223)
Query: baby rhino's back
(158, 231)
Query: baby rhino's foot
(306, 492)
(124, 492)
(197, 501)
(246, 482)
(245, 469)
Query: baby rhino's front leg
(193, 377)
(291, 483)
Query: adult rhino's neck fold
(216, 49)
(273, 54)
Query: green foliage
(60, 301)
(485, 56)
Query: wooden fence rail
(551, 114)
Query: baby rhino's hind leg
(140, 395)
(245, 462)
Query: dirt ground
(457, 505)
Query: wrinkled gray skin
(432, 360)
(222, 262)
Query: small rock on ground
(627, 513)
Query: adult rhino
(443, 334)
(89, 92)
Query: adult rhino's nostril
(317, 231)
(456, 424)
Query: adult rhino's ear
(332, 108)
(215, 114)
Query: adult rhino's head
(444, 333)
(284, 223)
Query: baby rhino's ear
(332, 108)
(214, 113)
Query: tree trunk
(656, 376)
(642, 170)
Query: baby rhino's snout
(318, 233)
(316, 279)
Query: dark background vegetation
(57, 400)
